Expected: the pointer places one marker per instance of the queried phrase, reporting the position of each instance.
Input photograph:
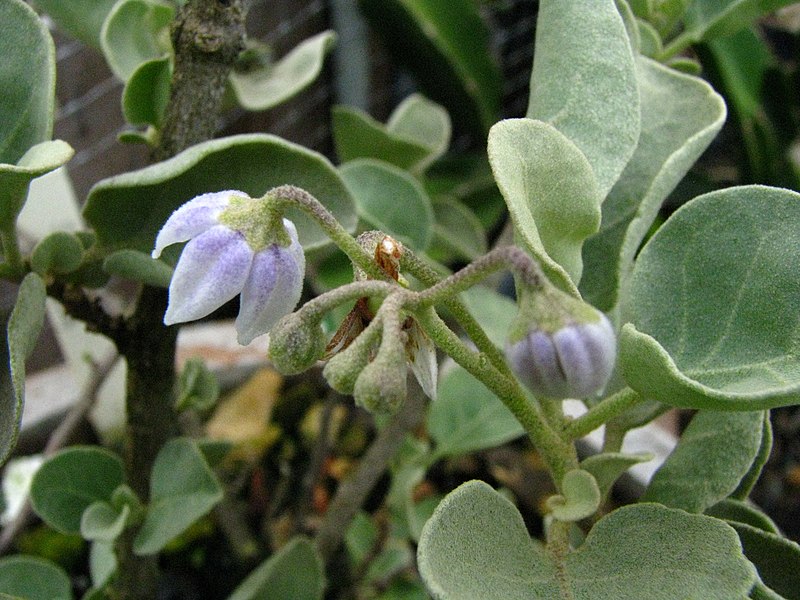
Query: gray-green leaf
(711, 458)
(584, 82)
(391, 200)
(295, 572)
(551, 193)
(268, 86)
(476, 546)
(22, 331)
(681, 114)
(714, 304)
(182, 489)
(33, 578)
(128, 210)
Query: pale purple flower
(219, 262)
(575, 361)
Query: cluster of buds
(559, 346)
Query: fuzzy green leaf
(146, 93)
(295, 572)
(584, 82)
(706, 19)
(580, 497)
(59, 252)
(551, 193)
(742, 512)
(607, 467)
(33, 578)
(182, 489)
(711, 458)
(27, 78)
(714, 304)
(128, 210)
(101, 521)
(72, 480)
(136, 31)
(681, 114)
(357, 135)
(776, 558)
(476, 546)
(268, 86)
(391, 200)
(467, 417)
(22, 332)
(748, 482)
(423, 121)
(138, 266)
(457, 232)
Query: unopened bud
(568, 349)
(296, 342)
(343, 368)
(381, 387)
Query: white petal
(272, 289)
(193, 218)
(422, 360)
(212, 269)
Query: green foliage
(446, 46)
(138, 266)
(295, 572)
(584, 83)
(713, 455)
(22, 331)
(32, 578)
(580, 497)
(467, 417)
(27, 76)
(265, 86)
(632, 553)
(607, 467)
(390, 200)
(182, 489)
(127, 211)
(713, 304)
(551, 192)
(706, 19)
(71, 481)
(146, 93)
(198, 386)
(59, 252)
(680, 115)
(134, 32)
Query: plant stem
(425, 273)
(295, 197)
(11, 253)
(207, 37)
(559, 454)
(602, 412)
(676, 45)
(317, 307)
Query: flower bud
(381, 387)
(344, 367)
(296, 342)
(568, 349)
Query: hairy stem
(559, 454)
(290, 196)
(602, 412)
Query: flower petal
(193, 218)
(422, 359)
(212, 269)
(272, 288)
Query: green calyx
(258, 220)
(296, 342)
(548, 309)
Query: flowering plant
(617, 307)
